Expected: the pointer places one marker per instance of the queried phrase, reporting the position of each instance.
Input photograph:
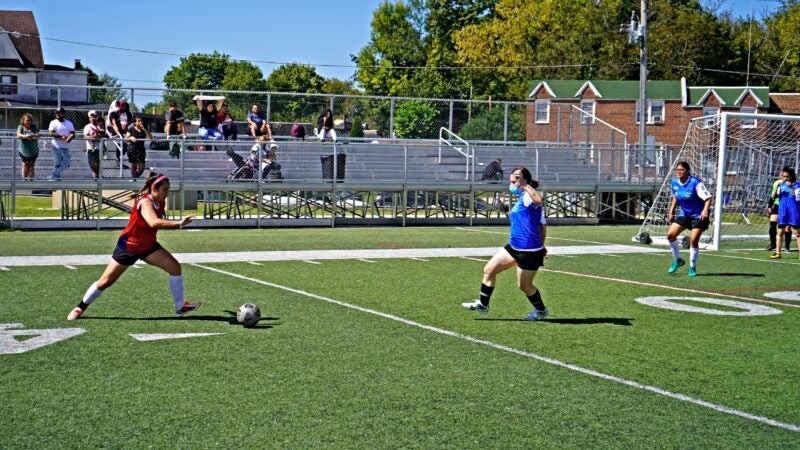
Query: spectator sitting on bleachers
(257, 124)
(326, 126)
(208, 120)
(119, 118)
(227, 125)
(175, 121)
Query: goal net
(738, 156)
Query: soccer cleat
(676, 264)
(692, 272)
(777, 255)
(476, 306)
(770, 248)
(186, 308)
(537, 315)
(74, 314)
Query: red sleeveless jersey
(138, 236)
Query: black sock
(486, 294)
(788, 238)
(536, 300)
(773, 233)
(83, 306)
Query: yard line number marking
(545, 359)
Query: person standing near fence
(138, 241)
(525, 249)
(93, 134)
(28, 135)
(137, 154)
(693, 197)
(788, 193)
(63, 132)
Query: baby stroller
(246, 169)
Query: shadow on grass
(206, 318)
(586, 321)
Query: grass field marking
(545, 359)
(420, 259)
(664, 286)
(474, 259)
(4, 269)
(255, 263)
(366, 260)
(71, 267)
(766, 260)
(549, 237)
(144, 337)
(308, 261)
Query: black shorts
(128, 259)
(28, 159)
(136, 154)
(692, 223)
(526, 260)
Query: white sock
(693, 253)
(676, 253)
(91, 294)
(176, 287)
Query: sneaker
(537, 315)
(186, 308)
(676, 264)
(476, 306)
(777, 255)
(74, 314)
(692, 272)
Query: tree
(113, 87)
(415, 120)
(785, 52)
(302, 79)
(488, 125)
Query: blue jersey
(691, 196)
(526, 220)
(789, 204)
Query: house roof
(786, 103)
(608, 89)
(730, 96)
(27, 44)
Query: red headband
(158, 180)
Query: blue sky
(318, 33)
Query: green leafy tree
(298, 78)
(784, 53)
(415, 119)
(112, 87)
(488, 125)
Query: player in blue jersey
(694, 200)
(772, 212)
(525, 249)
(788, 207)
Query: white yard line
(545, 359)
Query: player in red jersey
(138, 241)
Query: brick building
(606, 112)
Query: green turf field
(376, 352)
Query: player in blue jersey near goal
(694, 200)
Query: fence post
(333, 187)
(450, 119)
(505, 124)
(391, 118)
(405, 184)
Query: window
(587, 111)
(655, 111)
(542, 111)
(710, 114)
(8, 85)
(748, 123)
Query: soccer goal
(738, 156)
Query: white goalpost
(738, 156)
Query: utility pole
(637, 33)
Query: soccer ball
(248, 315)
